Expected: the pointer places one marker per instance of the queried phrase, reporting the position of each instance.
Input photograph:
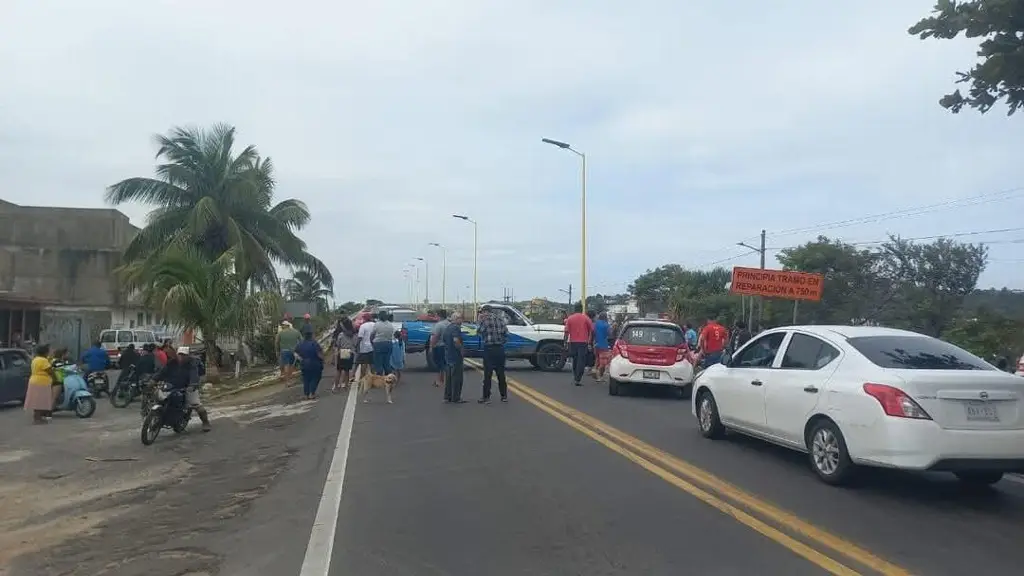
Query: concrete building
(56, 273)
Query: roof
(653, 322)
(852, 331)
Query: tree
(852, 288)
(305, 286)
(201, 294)
(988, 334)
(373, 302)
(1000, 74)
(348, 308)
(210, 198)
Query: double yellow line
(775, 523)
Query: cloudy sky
(703, 122)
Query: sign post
(786, 284)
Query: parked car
(15, 368)
(650, 353)
(867, 396)
(114, 340)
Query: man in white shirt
(364, 350)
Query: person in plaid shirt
(493, 330)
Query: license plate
(651, 374)
(981, 412)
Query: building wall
(71, 327)
(62, 256)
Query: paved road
(568, 482)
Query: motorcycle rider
(182, 373)
(95, 359)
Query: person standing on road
(383, 343)
(493, 331)
(690, 335)
(436, 348)
(364, 349)
(287, 339)
(740, 336)
(452, 339)
(307, 325)
(602, 345)
(39, 396)
(713, 338)
(344, 347)
(311, 356)
(397, 355)
(579, 331)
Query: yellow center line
(592, 426)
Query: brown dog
(371, 381)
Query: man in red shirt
(713, 338)
(579, 330)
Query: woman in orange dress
(39, 397)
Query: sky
(703, 123)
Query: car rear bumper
(923, 445)
(678, 374)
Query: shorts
(604, 356)
(287, 357)
(192, 396)
(439, 358)
(345, 363)
(364, 358)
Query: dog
(371, 381)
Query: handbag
(344, 354)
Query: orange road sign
(777, 284)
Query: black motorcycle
(98, 383)
(169, 410)
(127, 388)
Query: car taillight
(620, 349)
(895, 402)
(680, 353)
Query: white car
(857, 395)
(650, 353)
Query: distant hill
(1009, 303)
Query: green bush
(262, 345)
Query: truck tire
(550, 357)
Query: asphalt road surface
(562, 480)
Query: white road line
(317, 561)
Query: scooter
(99, 383)
(76, 396)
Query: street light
(426, 274)
(583, 216)
(416, 286)
(444, 273)
(475, 252)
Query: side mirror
(726, 358)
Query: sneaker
(504, 399)
(207, 427)
(484, 401)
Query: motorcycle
(76, 396)
(127, 388)
(99, 383)
(170, 410)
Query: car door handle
(756, 383)
(811, 389)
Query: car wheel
(550, 357)
(829, 458)
(979, 477)
(708, 422)
(613, 387)
(681, 392)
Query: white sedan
(857, 395)
(650, 353)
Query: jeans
(711, 358)
(311, 379)
(453, 381)
(578, 354)
(494, 363)
(382, 357)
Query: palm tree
(306, 286)
(200, 294)
(208, 197)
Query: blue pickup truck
(539, 344)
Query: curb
(268, 380)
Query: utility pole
(760, 306)
(569, 293)
(760, 299)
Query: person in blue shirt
(312, 367)
(691, 336)
(602, 345)
(95, 359)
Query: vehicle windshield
(108, 336)
(404, 316)
(652, 335)
(916, 353)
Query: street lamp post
(444, 273)
(583, 216)
(426, 275)
(476, 303)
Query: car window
(13, 359)
(760, 352)
(124, 336)
(916, 353)
(405, 316)
(513, 319)
(649, 335)
(144, 336)
(108, 336)
(808, 353)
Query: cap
(183, 350)
(286, 323)
(306, 316)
